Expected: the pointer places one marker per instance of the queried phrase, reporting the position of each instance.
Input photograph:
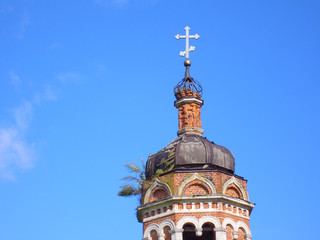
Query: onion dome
(190, 151)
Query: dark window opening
(208, 233)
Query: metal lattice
(188, 84)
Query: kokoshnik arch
(191, 191)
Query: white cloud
(15, 152)
(5, 8)
(15, 79)
(23, 25)
(69, 77)
(50, 94)
(120, 3)
(22, 115)
(107, 3)
(55, 45)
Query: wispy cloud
(69, 77)
(23, 25)
(15, 79)
(108, 3)
(5, 8)
(15, 152)
(55, 45)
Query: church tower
(191, 191)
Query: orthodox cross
(187, 37)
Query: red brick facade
(189, 104)
(177, 196)
(189, 115)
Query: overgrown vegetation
(134, 182)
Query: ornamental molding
(155, 184)
(241, 224)
(151, 227)
(184, 100)
(235, 182)
(229, 221)
(165, 223)
(196, 176)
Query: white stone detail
(221, 234)
(151, 227)
(210, 219)
(155, 184)
(241, 224)
(168, 223)
(229, 221)
(192, 178)
(235, 182)
(188, 219)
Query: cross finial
(187, 37)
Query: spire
(188, 94)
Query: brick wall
(199, 187)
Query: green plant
(133, 187)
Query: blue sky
(87, 86)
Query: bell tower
(191, 191)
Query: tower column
(177, 234)
(248, 237)
(221, 233)
(188, 95)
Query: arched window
(154, 235)
(189, 232)
(158, 194)
(167, 233)
(229, 229)
(208, 232)
(241, 234)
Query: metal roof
(190, 151)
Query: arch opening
(208, 233)
(189, 232)
(167, 233)
(154, 235)
(229, 229)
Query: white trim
(196, 176)
(187, 100)
(230, 221)
(214, 198)
(241, 224)
(235, 182)
(209, 219)
(164, 223)
(155, 184)
(151, 227)
(185, 220)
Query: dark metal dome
(190, 151)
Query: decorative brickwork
(167, 233)
(218, 180)
(229, 232)
(196, 190)
(158, 194)
(233, 191)
(199, 196)
(241, 234)
(189, 103)
(212, 195)
(154, 235)
(189, 115)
